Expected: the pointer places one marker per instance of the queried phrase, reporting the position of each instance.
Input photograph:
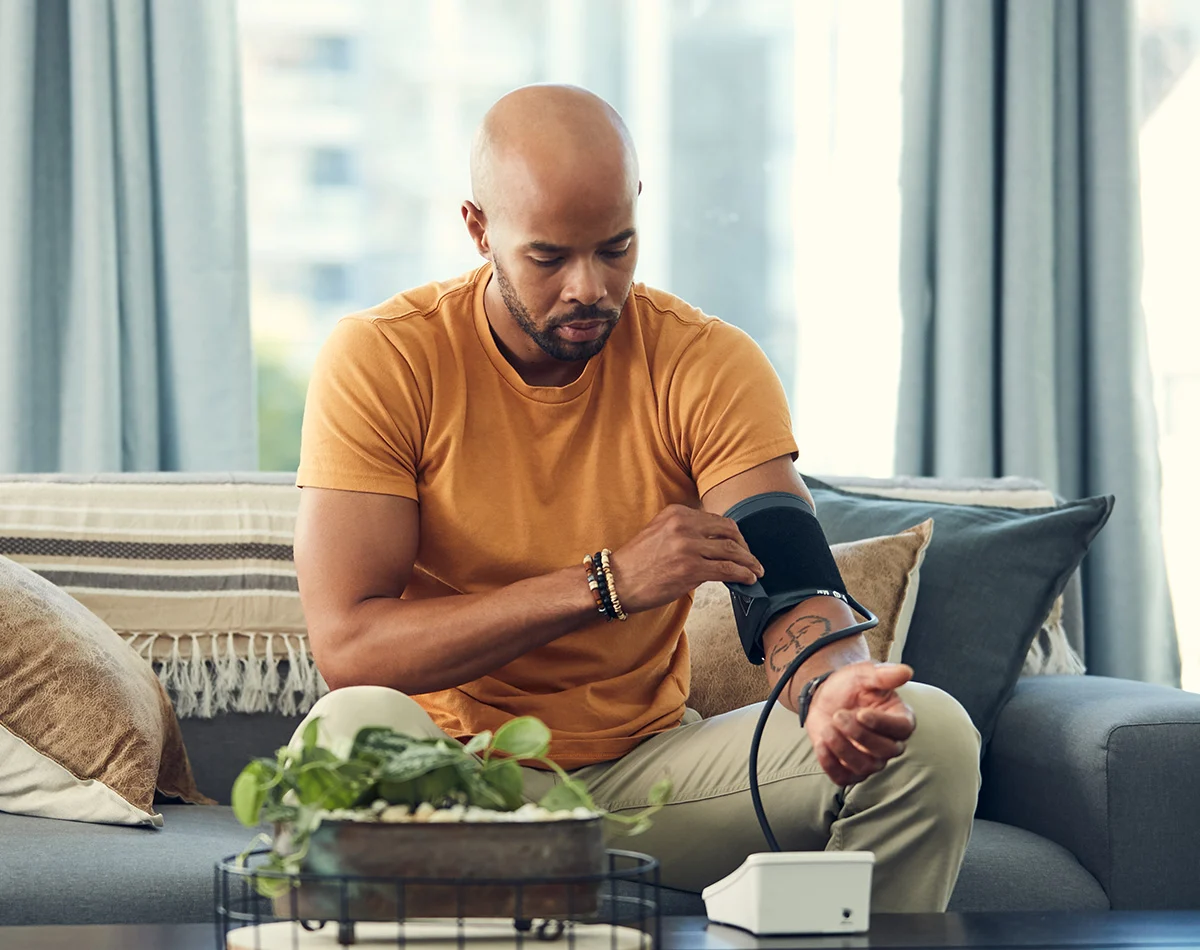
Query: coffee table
(1120, 930)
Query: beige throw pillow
(86, 730)
(882, 574)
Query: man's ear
(476, 222)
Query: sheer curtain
(1025, 345)
(124, 324)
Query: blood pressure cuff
(782, 531)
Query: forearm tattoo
(800, 632)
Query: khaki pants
(915, 815)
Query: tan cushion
(86, 730)
(880, 573)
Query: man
(465, 446)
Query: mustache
(588, 314)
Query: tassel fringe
(277, 674)
(1051, 652)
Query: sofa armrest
(1109, 769)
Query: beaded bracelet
(605, 592)
(606, 566)
(594, 585)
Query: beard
(551, 343)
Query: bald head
(551, 145)
(555, 182)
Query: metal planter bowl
(390, 871)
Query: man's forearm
(419, 646)
(795, 629)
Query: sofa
(1088, 799)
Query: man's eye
(613, 255)
(551, 262)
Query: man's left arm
(856, 719)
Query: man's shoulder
(436, 299)
(668, 312)
(676, 327)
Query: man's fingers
(838, 773)
(860, 763)
(731, 551)
(898, 725)
(889, 676)
(871, 742)
(720, 527)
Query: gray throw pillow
(989, 578)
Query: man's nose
(585, 283)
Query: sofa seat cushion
(1005, 869)
(68, 872)
(1011, 869)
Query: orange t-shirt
(414, 398)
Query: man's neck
(532, 363)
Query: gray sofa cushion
(1009, 869)
(68, 872)
(1109, 769)
(63, 872)
(219, 748)
(988, 580)
(1005, 869)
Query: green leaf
(398, 793)
(570, 794)
(523, 738)
(317, 754)
(309, 738)
(478, 743)
(481, 794)
(504, 777)
(380, 740)
(250, 791)
(418, 760)
(439, 786)
(660, 792)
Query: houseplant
(393, 806)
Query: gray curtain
(124, 311)
(1024, 343)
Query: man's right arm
(354, 556)
(355, 553)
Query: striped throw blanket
(196, 575)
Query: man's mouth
(582, 331)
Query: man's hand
(857, 721)
(680, 549)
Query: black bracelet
(806, 694)
(610, 612)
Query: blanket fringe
(1051, 652)
(277, 674)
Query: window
(1169, 41)
(330, 283)
(332, 53)
(768, 133)
(332, 167)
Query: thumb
(892, 675)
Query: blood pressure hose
(780, 686)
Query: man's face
(564, 273)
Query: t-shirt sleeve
(364, 418)
(727, 411)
